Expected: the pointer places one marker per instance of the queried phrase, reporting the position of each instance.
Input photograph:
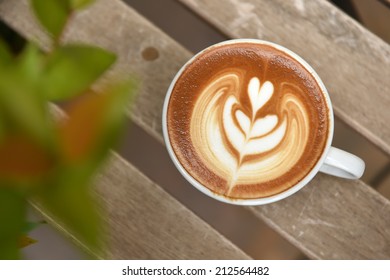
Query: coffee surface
(247, 120)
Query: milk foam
(237, 144)
(247, 120)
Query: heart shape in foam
(235, 142)
(253, 135)
(259, 96)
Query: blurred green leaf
(5, 54)
(72, 202)
(120, 97)
(9, 248)
(23, 107)
(30, 65)
(59, 159)
(52, 14)
(94, 123)
(29, 226)
(72, 69)
(2, 126)
(80, 4)
(12, 213)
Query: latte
(247, 120)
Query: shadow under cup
(235, 111)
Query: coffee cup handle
(343, 164)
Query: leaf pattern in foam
(253, 136)
(259, 96)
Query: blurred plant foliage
(47, 159)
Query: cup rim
(261, 200)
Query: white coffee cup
(333, 161)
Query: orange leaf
(25, 241)
(22, 158)
(78, 134)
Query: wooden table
(329, 219)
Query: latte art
(237, 144)
(247, 120)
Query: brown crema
(247, 120)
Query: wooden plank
(333, 218)
(353, 63)
(145, 222)
(111, 24)
(95, 28)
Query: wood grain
(145, 222)
(333, 218)
(112, 25)
(353, 63)
(350, 205)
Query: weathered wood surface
(145, 222)
(331, 201)
(333, 218)
(353, 63)
(113, 26)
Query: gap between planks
(353, 63)
(351, 207)
(144, 221)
